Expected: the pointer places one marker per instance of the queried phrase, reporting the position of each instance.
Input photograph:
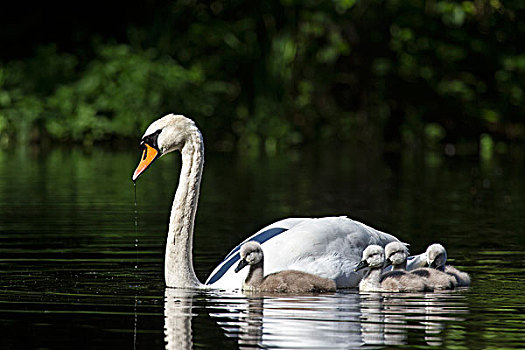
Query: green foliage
(264, 76)
(116, 94)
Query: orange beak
(148, 156)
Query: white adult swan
(329, 247)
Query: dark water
(71, 274)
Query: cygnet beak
(241, 265)
(361, 265)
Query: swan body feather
(329, 247)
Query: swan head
(251, 254)
(373, 257)
(164, 135)
(396, 253)
(436, 256)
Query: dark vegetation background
(266, 75)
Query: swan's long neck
(255, 276)
(179, 246)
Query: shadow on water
(70, 270)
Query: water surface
(72, 275)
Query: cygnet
(397, 253)
(394, 281)
(437, 258)
(288, 281)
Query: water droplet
(136, 226)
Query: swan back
(330, 247)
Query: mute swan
(396, 253)
(394, 281)
(287, 281)
(437, 258)
(329, 247)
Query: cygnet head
(396, 253)
(373, 257)
(251, 254)
(167, 134)
(436, 256)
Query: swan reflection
(178, 313)
(345, 319)
(388, 317)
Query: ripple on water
(68, 234)
(328, 321)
